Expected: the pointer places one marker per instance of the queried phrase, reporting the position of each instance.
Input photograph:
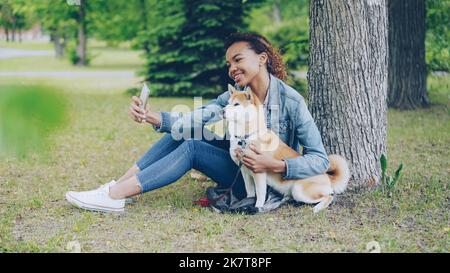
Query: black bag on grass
(223, 200)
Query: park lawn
(100, 142)
(104, 58)
(30, 45)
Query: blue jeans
(168, 160)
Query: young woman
(252, 62)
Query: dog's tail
(339, 173)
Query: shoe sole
(85, 206)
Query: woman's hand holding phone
(140, 115)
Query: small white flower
(373, 247)
(73, 247)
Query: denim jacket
(287, 115)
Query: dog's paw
(247, 210)
(259, 205)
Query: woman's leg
(161, 148)
(213, 161)
(132, 171)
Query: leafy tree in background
(286, 24)
(58, 19)
(67, 25)
(70, 26)
(117, 21)
(438, 35)
(6, 17)
(187, 55)
(13, 18)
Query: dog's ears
(248, 93)
(231, 89)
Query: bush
(438, 35)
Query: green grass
(31, 45)
(104, 58)
(100, 142)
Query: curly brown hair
(259, 44)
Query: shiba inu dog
(246, 125)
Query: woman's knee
(191, 144)
(195, 148)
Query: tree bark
(348, 82)
(7, 34)
(276, 12)
(407, 67)
(13, 30)
(59, 44)
(82, 39)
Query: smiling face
(244, 63)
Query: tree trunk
(407, 67)
(13, 30)
(276, 12)
(82, 39)
(59, 44)
(7, 34)
(348, 82)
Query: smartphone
(145, 93)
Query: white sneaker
(96, 200)
(112, 183)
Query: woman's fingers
(249, 154)
(248, 162)
(239, 153)
(137, 101)
(253, 148)
(137, 109)
(136, 114)
(132, 116)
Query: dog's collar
(242, 141)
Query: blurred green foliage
(28, 114)
(438, 35)
(290, 34)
